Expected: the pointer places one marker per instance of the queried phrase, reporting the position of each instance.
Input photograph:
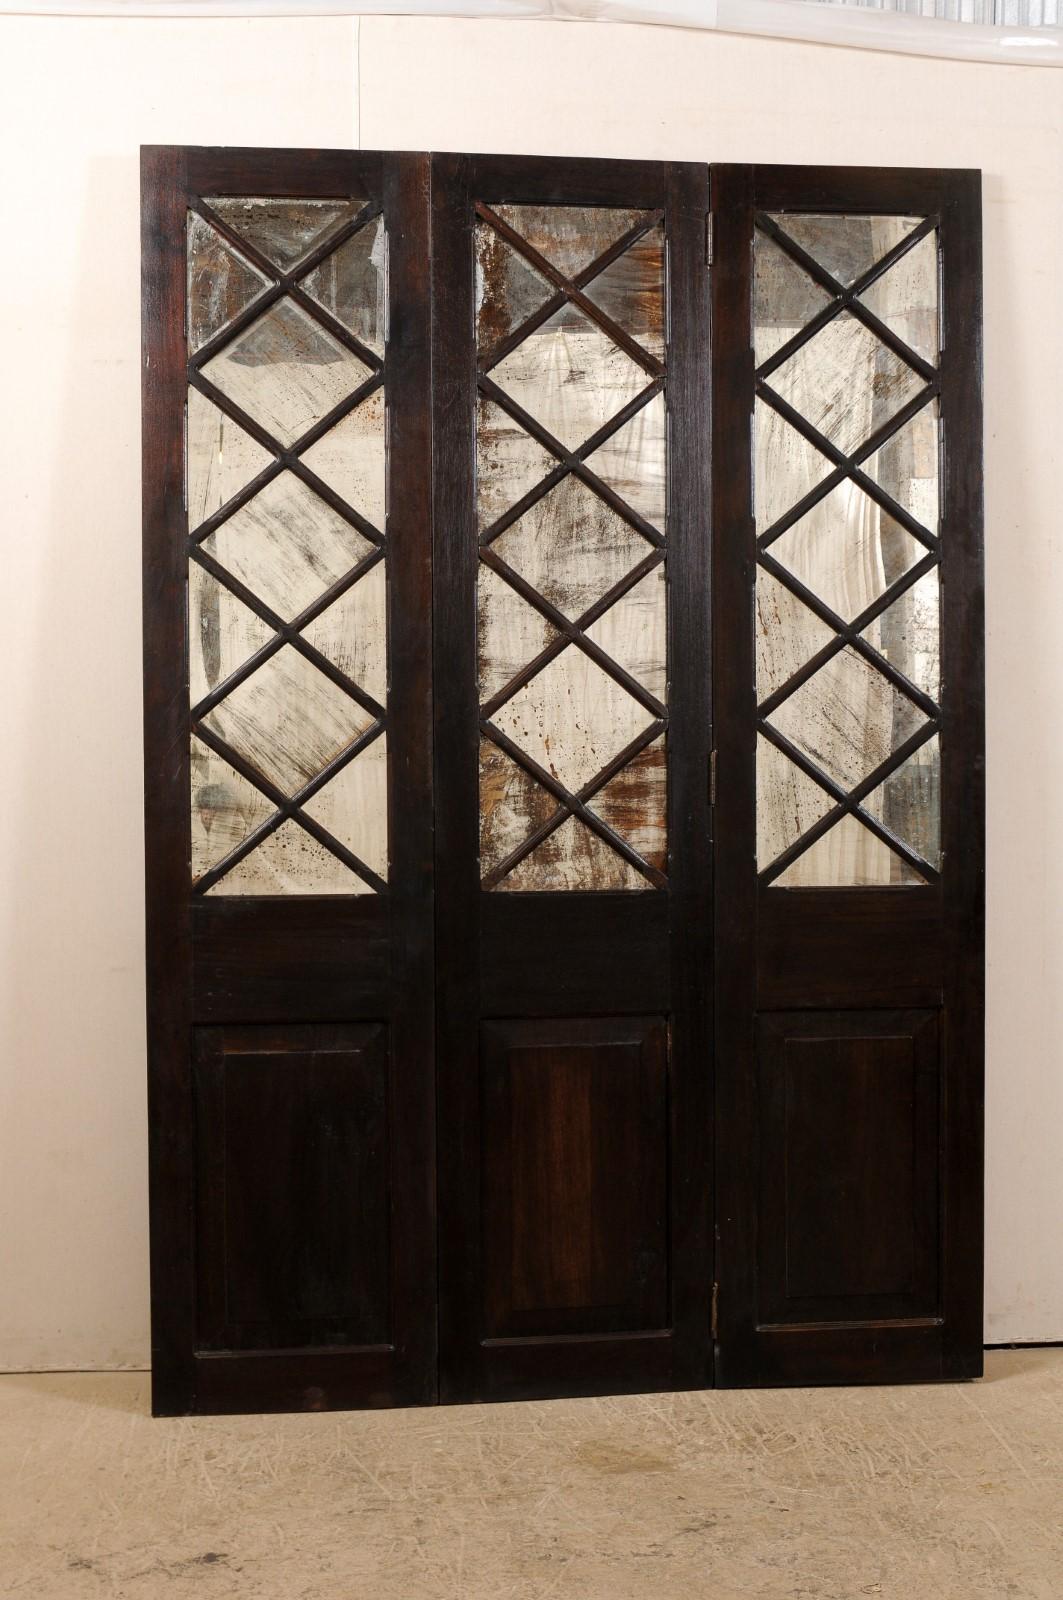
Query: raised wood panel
(575, 1141)
(849, 1119)
(293, 1187)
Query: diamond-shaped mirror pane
(847, 718)
(286, 371)
(905, 298)
(907, 634)
(849, 855)
(573, 857)
(631, 291)
(846, 246)
(225, 808)
(221, 283)
(222, 632)
(788, 802)
(353, 806)
(635, 803)
(508, 288)
(906, 466)
(352, 284)
(571, 547)
(290, 861)
(633, 632)
(353, 632)
(847, 550)
(784, 298)
(512, 806)
(786, 466)
(283, 230)
(350, 458)
(570, 376)
(846, 382)
(632, 462)
(572, 718)
(221, 458)
(510, 632)
(908, 803)
(288, 720)
(287, 545)
(569, 237)
(788, 634)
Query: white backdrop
(77, 98)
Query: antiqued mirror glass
(295, 716)
(847, 539)
(572, 504)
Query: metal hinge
(712, 778)
(708, 238)
(714, 1325)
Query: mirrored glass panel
(283, 230)
(352, 284)
(289, 546)
(286, 371)
(221, 284)
(581, 546)
(847, 550)
(844, 547)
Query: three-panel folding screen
(563, 651)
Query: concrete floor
(954, 1493)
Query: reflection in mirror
(847, 550)
(283, 230)
(908, 803)
(287, 545)
(221, 283)
(286, 371)
(848, 854)
(847, 718)
(846, 246)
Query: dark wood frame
(282, 960)
(558, 955)
(759, 954)
(850, 949)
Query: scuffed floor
(954, 1493)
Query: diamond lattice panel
(575, 546)
(288, 546)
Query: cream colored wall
(78, 98)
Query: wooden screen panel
(848, 708)
(572, 837)
(293, 1187)
(287, 493)
(849, 1219)
(575, 1129)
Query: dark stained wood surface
(505, 960)
(254, 1245)
(855, 1014)
(712, 1130)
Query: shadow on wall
(72, 1098)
